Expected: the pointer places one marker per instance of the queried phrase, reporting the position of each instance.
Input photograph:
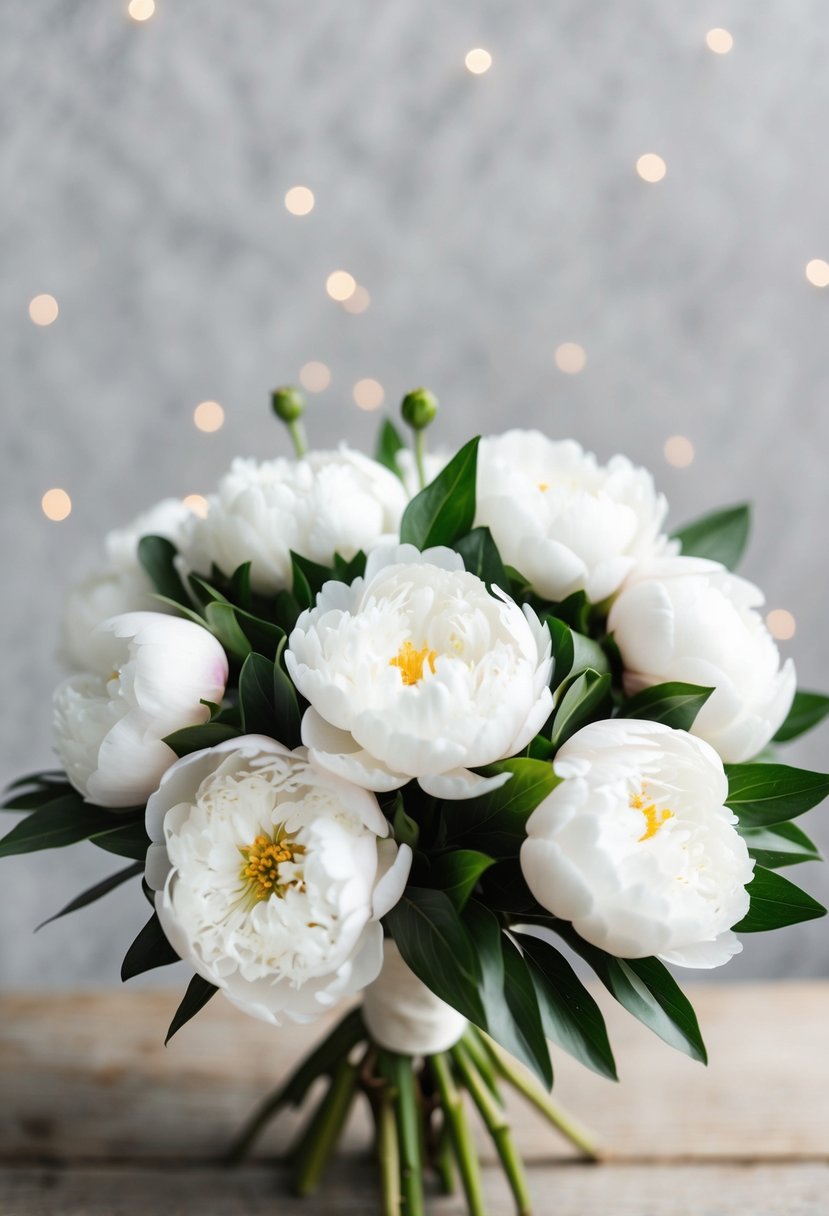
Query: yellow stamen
(654, 819)
(263, 858)
(544, 486)
(411, 661)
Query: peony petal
(460, 783)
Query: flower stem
(444, 1165)
(496, 1124)
(399, 1071)
(542, 1101)
(325, 1128)
(482, 1061)
(462, 1141)
(388, 1150)
(420, 456)
(345, 1036)
(298, 437)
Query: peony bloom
(563, 520)
(416, 671)
(325, 503)
(120, 586)
(109, 728)
(271, 876)
(636, 846)
(684, 618)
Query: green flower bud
(419, 408)
(288, 403)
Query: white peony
(416, 671)
(563, 520)
(122, 585)
(109, 728)
(636, 846)
(683, 618)
(403, 1015)
(325, 503)
(271, 876)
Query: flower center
(544, 486)
(411, 662)
(654, 818)
(263, 858)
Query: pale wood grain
(568, 1190)
(85, 1078)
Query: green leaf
(437, 947)
(445, 509)
(520, 993)
(149, 950)
(287, 718)
(571, 1017)
(20, 797)
(240, 590)
(128, 840)
(222, 622)
(503, 1017)
(675, 704)
(720, 537)
(573, 652)
(776, 902)
(457, 873)
(197, 738)
(495, 823)
(763, 794)
(646, 988)
(808, 710)
(785, 844)
(586, 699)
(157, 555)
(389, 443)
(97, 892)
(309, 579)
(198, 993)
(264, 636)
(66, 820)
(256, 696)
(347, 571)
(574, 611)
(481, 557)
(406, 829)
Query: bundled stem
(461, 1137)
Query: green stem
(542, 1101)
(298, 437)
(496, 1124)
(388, 1150)
(462, 1141)
(325, 1129)
(345, 1035)
(443, 1159)
(478, 1054)
(399, 1072)
(420, 456)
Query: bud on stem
(419, 408)
(288, 403)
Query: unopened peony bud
(419, 408)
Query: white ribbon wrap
(401, 1013)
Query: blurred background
(610, 221)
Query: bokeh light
(208, 416)
(570, 358)
(368, 394)
(679, 451)
(56, 504)
(781, 624)
(651, 167)
(197, 504)
(315, 376)
(478, 61)
(141, 10)
(719, 41)
(43, 309)
(817, 272)
(340, 285)
(299, 200)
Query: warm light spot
(208, 416)
(358, 301)
(411, 662)
(197, 504)
(368, 394)
(654, 819)
(781, 624)
(544, 486)
(651, 168)
(43, 310)
(299, 200)
(679, 451)
(340, 285)
(719, 41)
(817, 272)
(56, 505)
(141, 10)
(315, 377)
(570, 358)
(478, 61)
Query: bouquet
(410, 734)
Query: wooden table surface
(97, 1118)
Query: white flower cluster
(273, 868)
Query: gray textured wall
(491, 218)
